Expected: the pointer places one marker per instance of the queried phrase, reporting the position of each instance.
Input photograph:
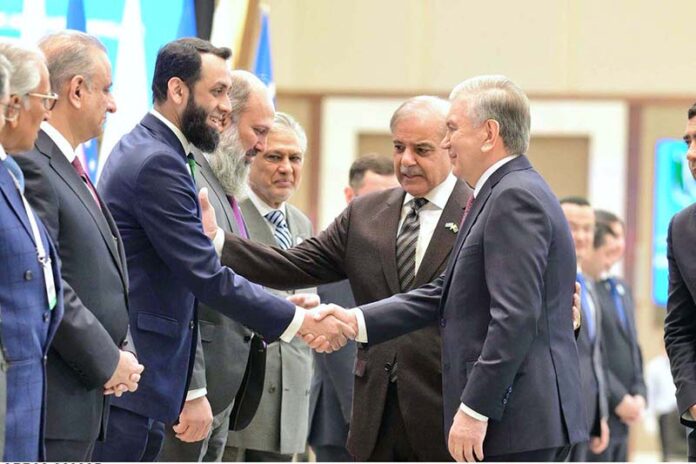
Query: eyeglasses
(47, 99)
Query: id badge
(50, 283)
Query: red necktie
(469, 202)
(81, 172)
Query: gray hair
(243, 85)
(25, 61)
(286, 121)
(419, 105)
(498, 98)
(69, 53)
(5, 74)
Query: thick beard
(195, 127)
(229, 164)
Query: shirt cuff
(470, 412)
(295, 325)
(196, 393)
(219, 241)
(362, 328)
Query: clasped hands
(325, 328)
(126, 375)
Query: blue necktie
(281, 232)
(618, 302)
(16, 172)
(587, 318)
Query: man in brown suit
(398, 386)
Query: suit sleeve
(638, 387)
(680, 327)
(198, 374)
(517, 239)
(80, 340)
(315, 261)
(167, 210)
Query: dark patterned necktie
(281, 230)
(406, 245)
(77, 165)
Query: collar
(439, 195)
(179, 135)
(263, 207)
(60, 141)
(489, 172)
(3, 155)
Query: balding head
(69, 53)
(423, 106)
(252, 110)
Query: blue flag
(263, 67)
(75, 18)
(187, 23)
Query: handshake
(325, 328)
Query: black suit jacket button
(387, 367)
(28, 275)
(272, 389)
(46, 316)
(247, 338)
(443, 322)
(192, 324)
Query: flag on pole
(187, 23)
(75, 19)
(228, 24)
(130, 81)
(263, 66)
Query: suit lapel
(217, 190)
(256, 224)
(9, 190)
(443, 238)
(384, 225)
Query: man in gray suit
(279, 429)
(221, 357)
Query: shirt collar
(263, 207)
(3, 155)
(186, 145)
(440, 194)
(60, 141)
(489, 172)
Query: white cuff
(196, 393)
(295, 325)
(470, 412)
(219, 241)
(362, 328)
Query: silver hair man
(26, 63)
(69, 53)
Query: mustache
(411, 171)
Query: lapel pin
(452, 227)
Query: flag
(187, 23)
(75, 19)
(228, 24)
(130, 81)
(263, 66)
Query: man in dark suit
(221, 358)
(331, 397)
(32, 297)
(400, 415)
(622, 357)
(86, 359)
(510, 368)
(581, 220)
(680, 322)
(148, 185)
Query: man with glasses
(31, 300)
(92, 354)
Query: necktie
(406, 245)
(83, 175)
(281, 231)
(618, 301)
(192, 164)
(587, 317)
(16, 172)
(238, 218)
(467, 208)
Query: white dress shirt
(61, 142)
(264, 208)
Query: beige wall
(547, 46)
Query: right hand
(208, 218)
(195, 420)
(126, 376)
(328, 328)
(600, 443)
(629, 410)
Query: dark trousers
(542, 455)
(329, 453)
(233, 453)
(579, 452)
(617, 451)
(130, 438)
(69, 450)
(392, 441)
(210, 449)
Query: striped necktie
(406, 245)
(281, 231)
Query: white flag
(228, 24)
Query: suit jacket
(225, 343)
(508, 347)
(85, 351)
(592, 373)
(27, 325)
(680, 322)
(280, 423)
(622, 358)
(147, 185)
(361, 245)
(331, 395)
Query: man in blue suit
(148, 186)
(31, 297)
(509, 362)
